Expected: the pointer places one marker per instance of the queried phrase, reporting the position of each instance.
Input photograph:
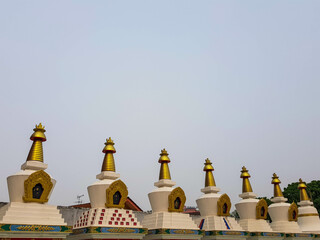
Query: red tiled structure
(129, 205)
(191, 211)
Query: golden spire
(108, 161)
(303, 192)
(246, 186)
(209, 176)
(164, 169)
(276, 190)
(36, 151)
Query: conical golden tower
(209, 176)
(36, 151)
(164, 168)
(108, 161)
(246, 186)
(303, 192)
(276, 189)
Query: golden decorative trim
(260, 213)
(308, 214)
(232, 233)
(35, 228)
(184, 231)
(176, 195)
(38, 177)
(293, 212)
(117, 186)
(121, 230)
(222, 201)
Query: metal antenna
(79, 201)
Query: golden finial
(164, 168)
(303, 192)
(209, 176)
(108, 161)
(39, 133)
(246, 186)
(40, 126)
(36, 151)
(276, 190)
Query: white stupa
(107, 218)
(308, 217)
(283, 215)
(252, 211)
(167, 204)
(214, 207)
(28, 214)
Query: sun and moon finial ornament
(36, 150)
(276, 190)
(164, 168)
(209, 182)
(303, 192)
(108, 161)
(246, 186)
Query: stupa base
(285, 226)
(169, 220)
(218, 223)
(107, 223)
(255, 225)
(31, 214)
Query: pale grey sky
(234, 81)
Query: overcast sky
(234, 81)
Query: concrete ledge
(248, 195)
(279, 199)
(164, 183)
(305, 203)
(210, 189)
(34, 165)
(108, 175)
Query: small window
(37, 191)
(116, 198)
(177, 203)
(294, 215)
(225, 208)
(262, 212)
